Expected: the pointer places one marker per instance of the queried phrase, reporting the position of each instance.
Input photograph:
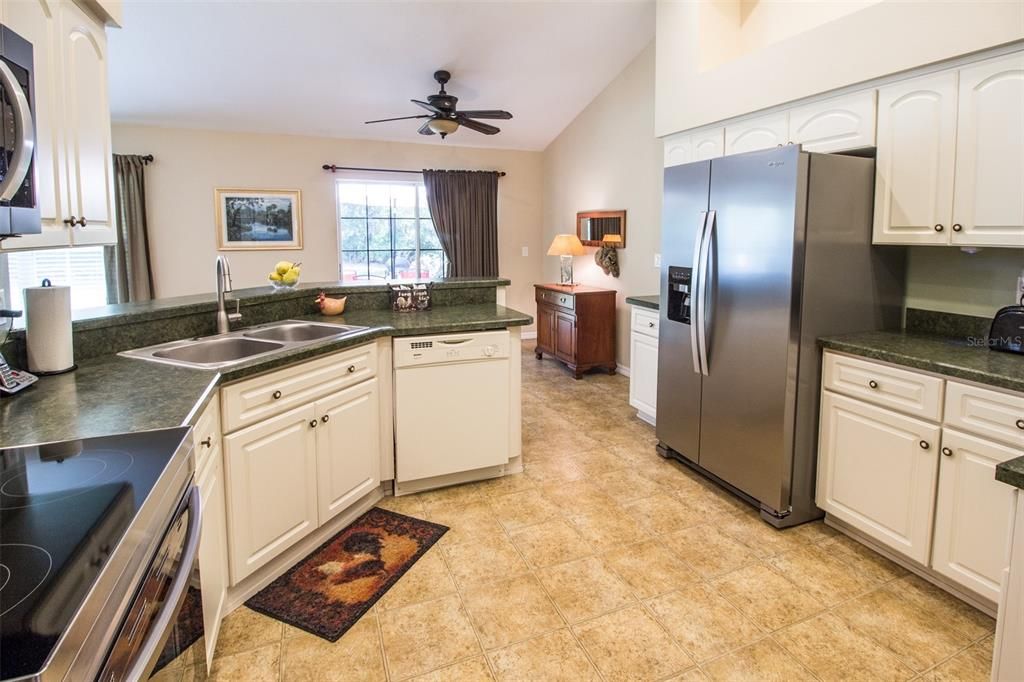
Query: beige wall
(191, 163)
(949, 280)
(608, 158)
(705, 74)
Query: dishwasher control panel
(411, 351)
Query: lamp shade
(611, 240)
(566, 245)
(443, 125)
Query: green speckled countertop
(954, 358)
(112, 394)
(652, 302)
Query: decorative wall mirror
(595, 227)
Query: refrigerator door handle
(701, 328)
(696, 293)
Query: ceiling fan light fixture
(443, 126)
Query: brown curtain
(464, 208)
(129, 276)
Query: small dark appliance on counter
(1007, 330)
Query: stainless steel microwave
(19, 206)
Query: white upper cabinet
(915, 162)
(708, 143)
(753, 134)
(73, 165)
(988, 196)
(678, 150)
(835, 125)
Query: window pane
(352, 199)
(432, 264)
(82, 268)
(378, 199)
(405, 234)
(380, 233)
(353, 265)
(353, 233)
(380, 265)
(428, 235)
(424, 208)
(405, 264)
(403, 198)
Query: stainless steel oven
(19, 208)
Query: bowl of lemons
(285, 275)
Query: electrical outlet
(526, 251)
(657, 260)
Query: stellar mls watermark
(992, 341)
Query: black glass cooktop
(63, 509)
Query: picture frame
(258, 219)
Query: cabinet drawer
(909, 392)
(250, 401)
(206, 435)
(645, 322)
(556, 298)
(991, 414)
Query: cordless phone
(12, 380)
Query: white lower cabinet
(643, 363)
(345, 470)
(271, 475)
(924, 488)
(1008, 657)
(972, 518)
(213, 550)
(877, 472)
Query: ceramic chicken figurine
(331, 306)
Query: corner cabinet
(950, 164)
(643, 363)
(73, 165)
(908, 459)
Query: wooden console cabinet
(576, 324)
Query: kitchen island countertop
(113, 394)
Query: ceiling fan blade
(399, 118)
(487, 113)
(426, 105)
(425, 128)
(484, 128)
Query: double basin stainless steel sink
(224, 350)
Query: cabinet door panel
(678, 150)
(565, 337)
(271, 487)
(875, 474)
(972, 513)
(545, 329)
(87, 126)
(988, 202)
(915, 161)
(708, 144)
(757, 133)
(213, 551)
(34, 21)
(835, 125)
(643, 373)
(347, 447)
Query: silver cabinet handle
(24, 134)
(924, 445)
(651, 325)
(947, 452)
(873, 384)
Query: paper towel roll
(48, 329)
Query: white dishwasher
(451, 406)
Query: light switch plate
(526, 251)
(657, 260)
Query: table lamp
(566, 246)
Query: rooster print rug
(329, 590)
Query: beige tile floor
(604, 562)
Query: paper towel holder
(46, 283)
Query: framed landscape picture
(258, 219)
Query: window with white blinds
(81, 268)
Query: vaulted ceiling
(323, 67)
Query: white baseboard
(529, 335)
(622, 369)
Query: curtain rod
(331, 167)
(148, 158)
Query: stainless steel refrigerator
(762, 254)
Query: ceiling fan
(443, 117)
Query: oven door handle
(157, 635)
(24, 131)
